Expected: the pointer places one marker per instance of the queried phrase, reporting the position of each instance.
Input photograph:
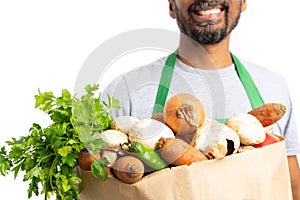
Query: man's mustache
(204, 4)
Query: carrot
(269, 113)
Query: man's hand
(295, 176)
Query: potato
(268, 113)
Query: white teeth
(209, 12)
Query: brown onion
(183, 113)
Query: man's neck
(206, 56)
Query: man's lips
(211, 13)
(206, 11)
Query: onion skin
(159, 117)
(183, 113)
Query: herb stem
(52, 154)
(51, 171)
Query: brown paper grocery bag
(255, 174)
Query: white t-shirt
(220, 91)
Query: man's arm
(295, 176)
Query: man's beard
(207, 34)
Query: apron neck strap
(164, 84)
(253, 94)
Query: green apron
(166, 77)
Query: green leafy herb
(48, 156)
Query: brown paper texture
(255, 174)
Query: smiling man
(210, 23)
(204, 66)
(205, 22)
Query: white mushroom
(248, 127)
(215, 139)
(149, 131)
(123, 123)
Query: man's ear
(172, 9)
(244, 5)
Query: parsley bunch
(48, 156)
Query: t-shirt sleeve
(290, 132)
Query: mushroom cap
(248, 127)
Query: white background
(43, 44)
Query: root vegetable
(268, 113)
(177, 152)
(85, 159)
(148, 132)
(248, 127)
(183, 113)
(128, 169)
(215, 139)
(123, 123)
